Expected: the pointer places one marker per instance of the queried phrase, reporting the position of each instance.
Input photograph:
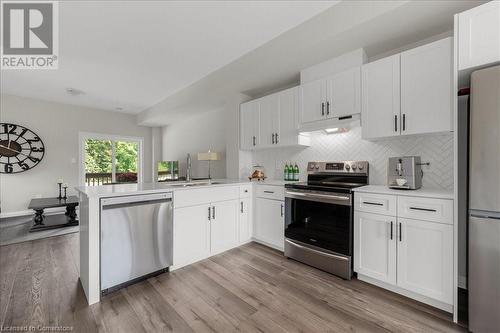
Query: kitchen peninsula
(208, 218)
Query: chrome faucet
(188, 168)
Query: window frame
(83, 136)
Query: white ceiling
(380, 27)
(133, 54)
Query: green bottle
(285, 172)
(290, 171)
(296, 172)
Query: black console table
(43, 222)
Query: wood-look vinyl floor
(248, 289)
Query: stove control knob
(347, 167)
(354, 167)
(316, 167)
(360, 166)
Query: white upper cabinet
(271, 121)
(336, 96)
(312, 97)
(287, 133)
(344, 93)
(408, 93)
(426, 82)
(479, 36)
(381, 98)
(249, 124)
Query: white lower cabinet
(224, 226)
(375, 254)
(203, 228)
(269, 222)
(191, 234)
(425, 258)
(245, 232)
(411, 256)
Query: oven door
(321, 219)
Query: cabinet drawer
(270, 192)
(198, 196)
(245, 191)
(375, 203)
(427, 209)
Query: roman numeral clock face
(20, 148)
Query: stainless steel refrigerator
(484, 201)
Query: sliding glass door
(110, 160)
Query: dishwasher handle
(135, 200)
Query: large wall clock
(20, 148)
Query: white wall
(216, 130)
(58, 126)
(193, 135)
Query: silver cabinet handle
(281, 210)
(213, 212)
(209, 218)
(276, 138)
(423, 209)
(404, 122)
(395, 123)
(269, 192)
(253, 138)
(327, 108)
(323, 108)
(400, 233)
(391, 230)
(372, 203)
(272, 138)
(241, 209)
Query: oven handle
(330, 198)
(316, 251)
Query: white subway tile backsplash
(436, 149)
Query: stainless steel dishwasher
(136, 238)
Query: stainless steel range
(319, 215)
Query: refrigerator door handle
(485, 217)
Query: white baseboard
(424, 299)
(462, 282)
(268, 244)
(48, 211)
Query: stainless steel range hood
(341, 123)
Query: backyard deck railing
(105, 178)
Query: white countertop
(421, 192)
(144, 188)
